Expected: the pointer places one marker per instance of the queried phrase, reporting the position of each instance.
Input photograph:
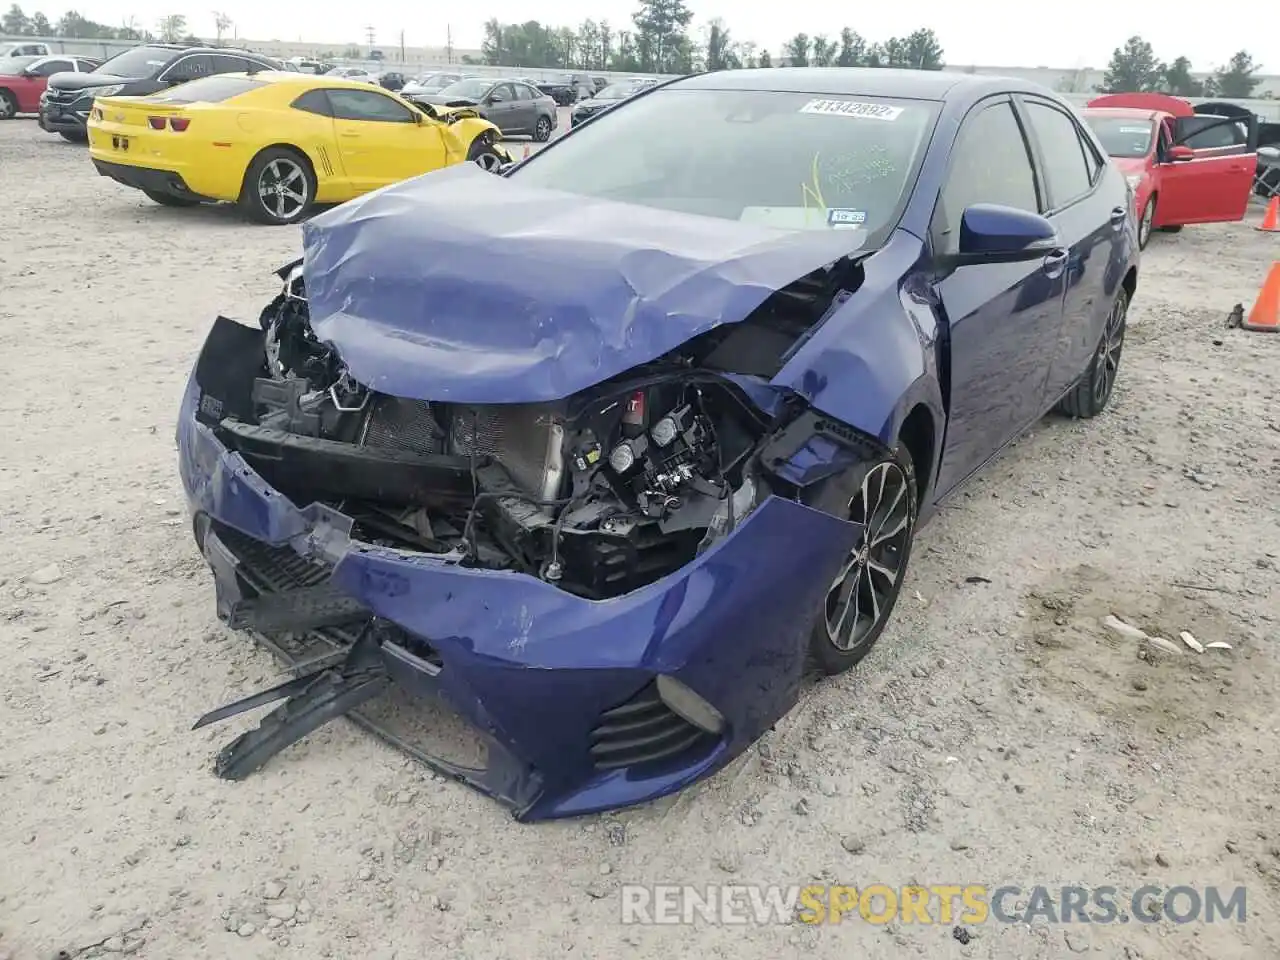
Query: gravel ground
(997, 735)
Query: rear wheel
(279, 187)
(880, 494)
(8, 105)
(169, 200)
(542, 131)
(1176, 228)
(1089, 397)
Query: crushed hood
(467, 287)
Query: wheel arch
(1130, 282)
(919, 435)
(291, 148)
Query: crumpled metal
(466, 287)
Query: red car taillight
(174, 123)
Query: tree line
(658, 40)
(72, 26)
(1135, 68)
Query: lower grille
(270, 569)
(644, 730)
(519, 436)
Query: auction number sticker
(843, 218)
(853, 108)
(1146, 129)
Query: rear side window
(314, 101)
(209, 90)
(189, 68)
(50, 67)
(1062, 150)
(990, 164)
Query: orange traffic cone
(1271, 220)
(1265, 315)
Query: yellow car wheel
(279, 187)
(482, 153)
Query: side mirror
(993, 233)
(494, 98)
(1181, 153)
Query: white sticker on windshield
(843, 218)
(853, 108)
(1135, 129)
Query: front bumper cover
(551, 682)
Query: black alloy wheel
(880, 496)
(1092, 393)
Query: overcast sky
(985, 32)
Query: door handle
(349, 133)
(1054, 263)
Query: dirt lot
(997, 735)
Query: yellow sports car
(275, 143)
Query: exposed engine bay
(599, 493)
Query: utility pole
(448, 43)
(369, 33)
(402, 59)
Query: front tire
(278, 188)
(484, 155)
(542, 130)
(1090, 396)
(8, 105)
(880, 494)
(1145, 220)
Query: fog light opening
(689, 706)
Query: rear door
(1089, 206)
(1214, 186)
(1003, 319)
(381, 140)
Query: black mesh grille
(514, 434)
(403, 425)
(271, 569)
(644, 730)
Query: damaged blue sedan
(600, 453)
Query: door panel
(380, 140)
(1089, 207)
(1003, 319)
(1216, 184)
(506, 112)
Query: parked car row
(609, 96)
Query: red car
(1184, 167)
(23, 79)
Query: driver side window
(990, 163)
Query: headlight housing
(110, 91)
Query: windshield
(137, 63)
(1124, 137)
(433, 83)
(811, 162)
(470, 89)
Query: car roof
(1130, 113)
(862, 81)
(288, 78)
